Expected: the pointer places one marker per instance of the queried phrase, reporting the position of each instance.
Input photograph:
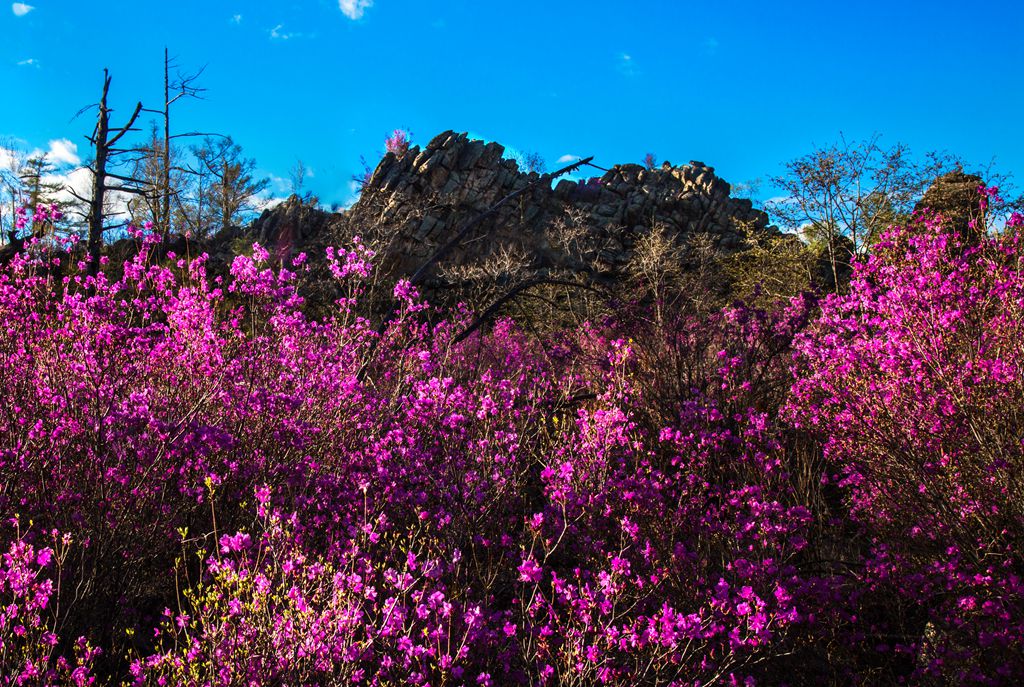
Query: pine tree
(40, 187)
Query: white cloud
(267, 203)
(60, 152)
(77, 180)
(20, 9)
(236, 19)
(9, 159)
(354, 9)
(63, 152)
(627, 65)
(30, 62)
(568, 158)
(278, 33)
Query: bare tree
(529, 161)
(165, 184)
(157, 170)
(533, 162)
(197, 212)
(841, 195)
(12, 159)
(297, 183)
(104, 140)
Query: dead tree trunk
(165, 182)
(182, 86)
(103, 145)
(99, 179)
(225, 196)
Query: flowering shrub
(254, 495)
(469, 554)
(457, 515)
(915, 381)
(28, 642)
(398, 142)
(42, 213)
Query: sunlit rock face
(585, 228)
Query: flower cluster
(28, 619)
(398, 142)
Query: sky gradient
(742, 86)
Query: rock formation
(956, 198)
(426, 194)
(414, 203)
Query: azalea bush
(226, 489)
(398, 142)
(915, 383)
(30, 615)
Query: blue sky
(742, 86)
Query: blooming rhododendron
(256, 491)
(915, 382)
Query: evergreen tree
(41, 187)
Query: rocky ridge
(415, 202)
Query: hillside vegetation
(727, 458)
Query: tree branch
(511, 294)
(127, 127)
(126, 189)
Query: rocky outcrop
(955, 196)
(290, 224)
(424, 196)
(415, 202)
